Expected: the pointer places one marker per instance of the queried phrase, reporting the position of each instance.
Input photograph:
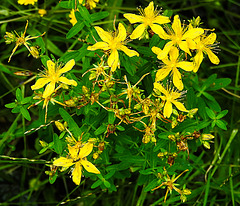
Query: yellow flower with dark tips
(172, 64)
(53, 76)
(179, 36)
(78, 158)
(149, 17)
(169, 97)
(205, 44)
(113, 42)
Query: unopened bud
(60, 126)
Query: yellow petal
(51, 67)
(184, 46)
(159, 31)
(40, 83)
(85, 150)
(159, 87)
(89, 166)
(210, 39)
(176, 26)
(73, 151)
(138, 31)
(193, 33)
(113, 60)
(191, 44)
(68, 66)
(67, 81)
(104, 35)
(99, 45)
(49, 90)
(177, 79)
(167, 111)
(165, 51)
(161, 19)
(77, 173)
(149, 10)
(129, 52)
(173, 53)
(213, 58)
(187, 66)
(133, 18)
(162, 73)
(198, 60)
(122, 34)
(179, 106)
(156, 50)
(63, 162)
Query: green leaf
(71, 123)
(111, 117)
(222, 114)
(84, 14)
(213, 105)
(208, 96)
(209, 81)
(25, 113)
(65, 4)
(26, 100)
(16, 109)
(75, 29)
(18, 95)
(57, 144)
(221, 124)
(107, 184)
(210, 113)
(96, 184)
(52, 178)
(99, 15)
(120, 128)
(53, 48)
(5, 69)
(154, 183)
(100, 129)
(219, 83)
(11, 105)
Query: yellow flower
(171, 65)
(90, 4)
(26, 2)
(204, 45)
(179, 36)
(112, 42)
(148, 17)
(42, 12)
(170, 97)
(78, 158)
(53, 76)
(72, 17)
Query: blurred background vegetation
(25, 183)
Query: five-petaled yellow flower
(112, 42)
(78, 158)
(170, 97)
(53, 76)
(148, 17)
(27, 2)
(90, 4)
(204, 45)
(171, 65)
(179, 36)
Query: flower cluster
(108, 87)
